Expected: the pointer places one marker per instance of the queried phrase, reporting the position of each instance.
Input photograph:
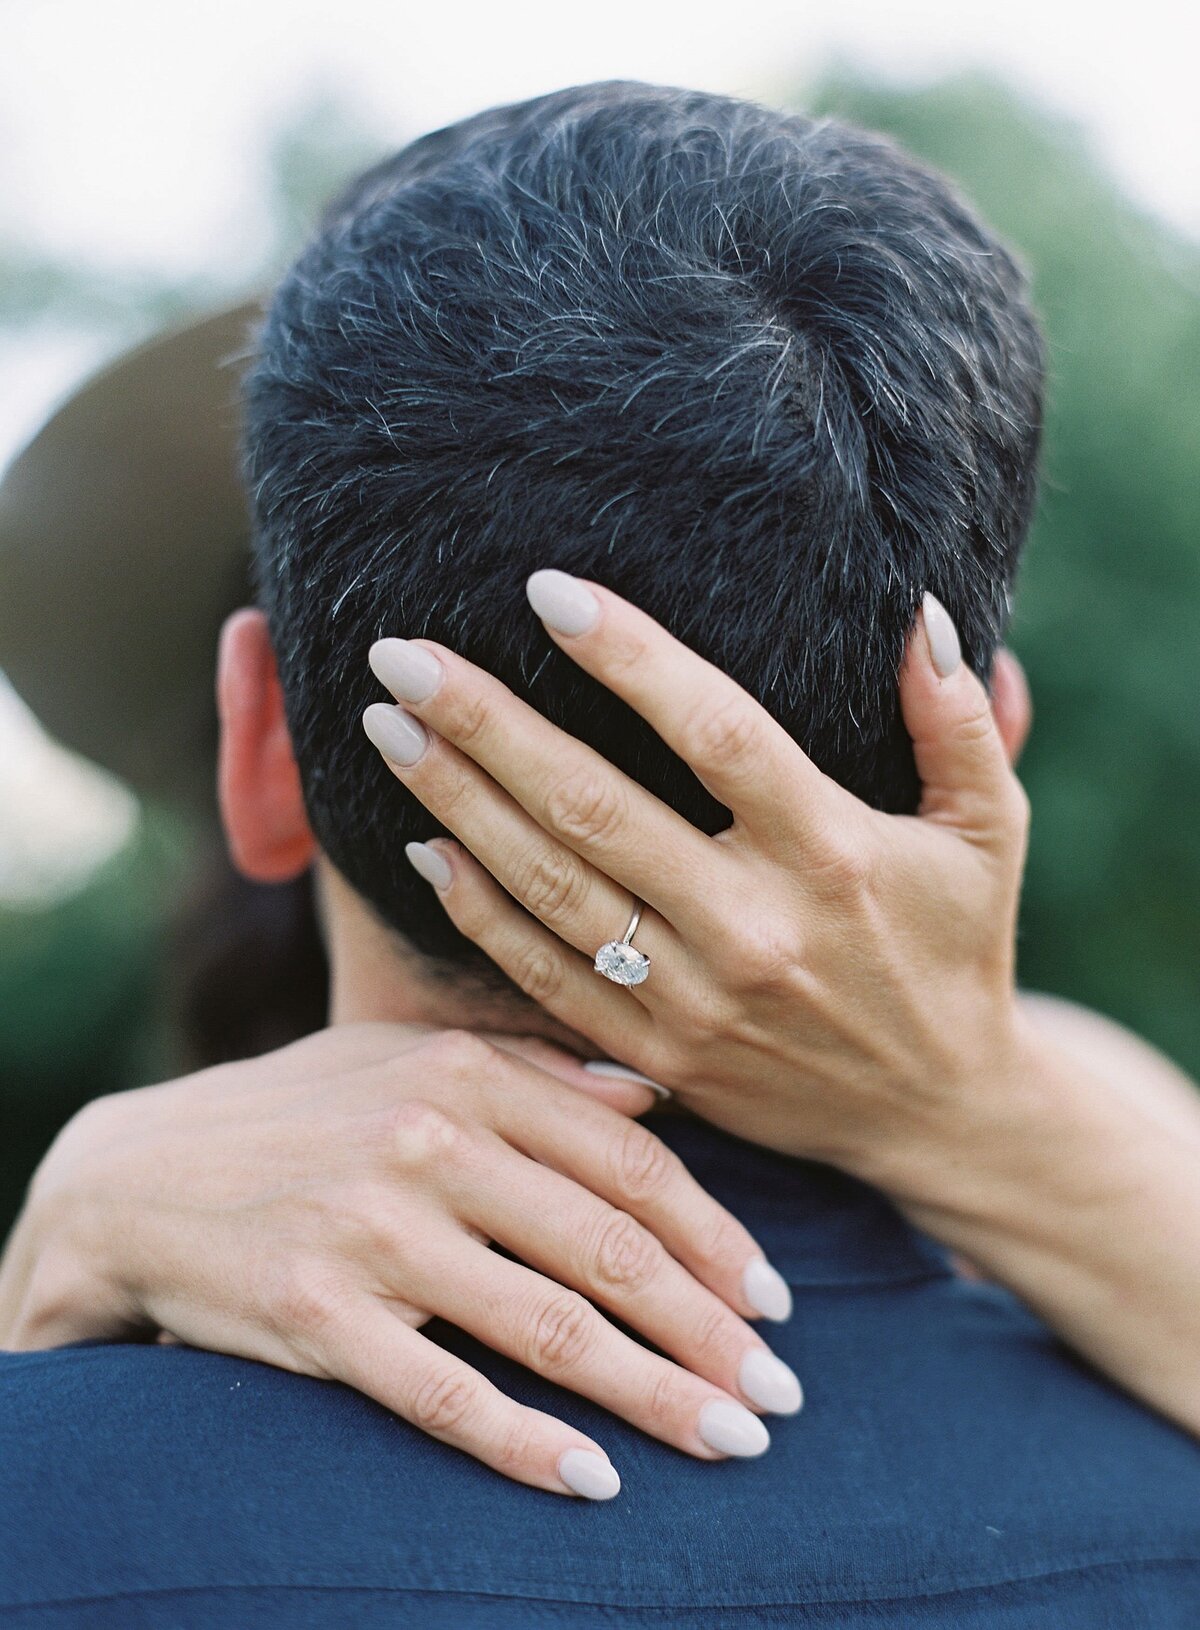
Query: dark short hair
(762, 374)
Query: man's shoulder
(953, 1467)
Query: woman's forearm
(1083, 1198)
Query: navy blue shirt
(953, 1466)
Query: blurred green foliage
(1109, 602)
(1106, 617)
(80, 997)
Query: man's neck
(374, 978)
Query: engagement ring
(619, 960)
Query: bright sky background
(131, 130)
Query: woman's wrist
(1020, 1138)
(960, 1111)
(1073, 1192)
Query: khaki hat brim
(123, 545)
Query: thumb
(966, 779)
(616, 1085)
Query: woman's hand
(313, 1208)
(824, 978)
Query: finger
(558, 1334)
(569, 790)
(578, 1239)
(745, 759)
(1011, 703)
(627, 1166)
(555, 884)
(378, 1354)
(556, 978)
(619, 1088)
(966, 780)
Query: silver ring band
(620, 960)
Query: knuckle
(625, 1256)
(766, 955)
(643, 1167)
(726, 734)
(304, 1302)
(711, 1334)
(702, 1026)
(975, 726)
(538, 973)
(845, 870)
(458, 1053)
(662, 1401)
(468, 905)
(517, 1448)
(467, 721)
(562, 1333)
(584, 807)
(720, 1240)
(553, 887)
(625, 652)
(421, 1133)
(444, 1400)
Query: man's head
(762, 375)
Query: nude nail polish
(587, 1473)
(945, 652)
(562, 602)
(622, 1072)
(430, 864)
(409, 671)
(767, 1290)
(397, 734)
(732, 1430)
(768, 1382)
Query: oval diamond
(623, 964)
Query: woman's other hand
(313, 1208)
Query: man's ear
(1012, 706)
(258, 783)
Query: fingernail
(732, 1430)
(562, 602)
(622, 1072)
(397, 734)
(430, 865)
(410, 672)
(767, 1291)
(945, 652)
(768, 1382)
(587, 1473)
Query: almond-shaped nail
(397, 734)
(622, 1072)
(409, 671)
(732, 1430)
(429, 864)
(563, 603)
(945, 652)
(587, 1473)
(768, 1382)
(767, 1290)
